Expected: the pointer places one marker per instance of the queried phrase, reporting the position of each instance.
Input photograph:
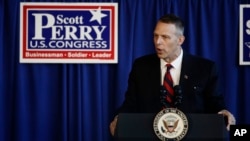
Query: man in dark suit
(197, 77)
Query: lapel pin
(185, 76)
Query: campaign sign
(68, 32)
(244, 46)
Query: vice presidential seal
(170, 124)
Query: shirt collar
(176, 63)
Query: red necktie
(168, 84)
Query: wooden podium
(202, 127)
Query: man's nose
(158, 40)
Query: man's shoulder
(149, 58)
(198, 59)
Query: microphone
(163, 94)
(178, 95)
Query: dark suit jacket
(199, 82)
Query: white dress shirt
(175, 71)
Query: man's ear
(181, 39)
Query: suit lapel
(155, 82)
(185, 69)
(155, 72)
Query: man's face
(167, 42)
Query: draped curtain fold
(76, 102)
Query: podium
(201, 127)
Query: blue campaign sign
(244, 43)
(68, 32)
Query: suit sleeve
(129, 104)
(214, 97)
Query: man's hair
(173, 19)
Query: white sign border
(241, 44)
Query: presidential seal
(170, 124)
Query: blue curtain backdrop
(76, 102)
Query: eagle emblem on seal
(170, 126)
